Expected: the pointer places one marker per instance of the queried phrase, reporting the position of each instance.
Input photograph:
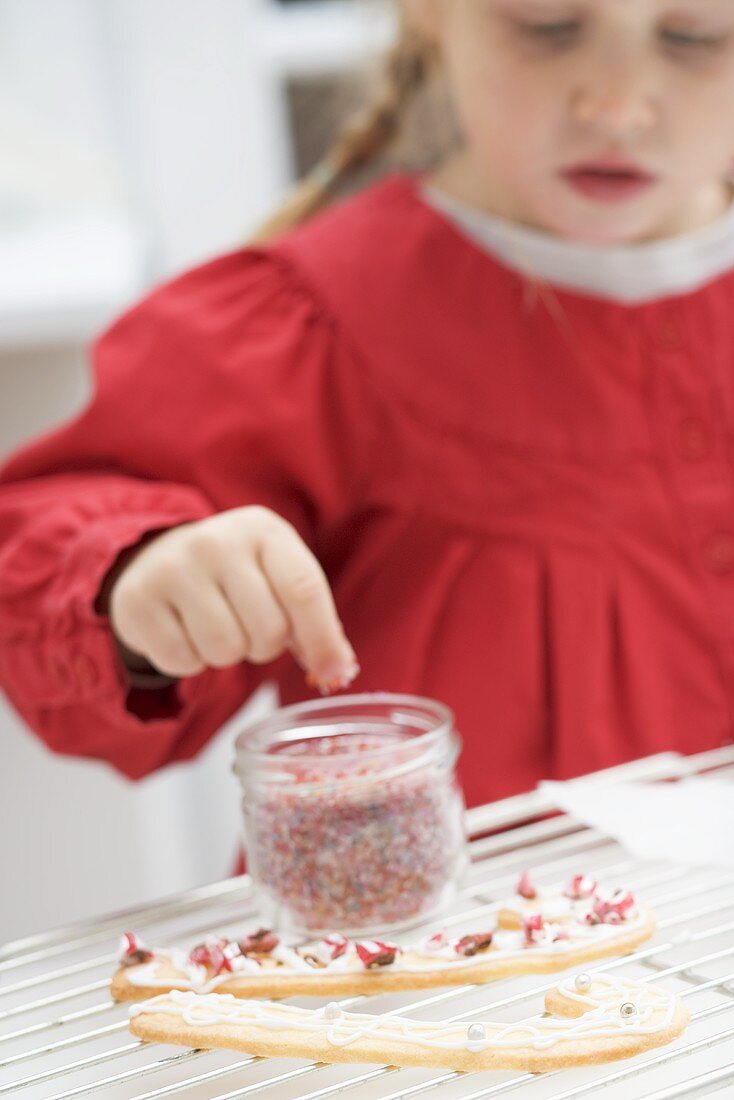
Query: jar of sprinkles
(354, 820)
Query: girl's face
(602, 120)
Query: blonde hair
(405, 72)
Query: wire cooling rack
(62, 1037)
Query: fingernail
(350, 675)
(327, 683)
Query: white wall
(165, 119)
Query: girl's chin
(600, 228)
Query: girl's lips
(608, 183)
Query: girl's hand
(240, 586)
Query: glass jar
(354, 820)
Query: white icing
(344, 964)
(290, 958)
(554, 908)
(320, 950)
(508, 939)
(654, 1011)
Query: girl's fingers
(255, 605)
(303, 592)
(211, 623)
(157, 633)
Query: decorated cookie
(535, 933)
(589, 1019)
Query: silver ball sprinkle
(332, 1011)
(582, 982)
(627, 1010)
(476, 1035)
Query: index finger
(302, 590)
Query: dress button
(719, 552)
(668, 334)
(694, 440)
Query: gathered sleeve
(228, 387)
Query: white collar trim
(632, 274)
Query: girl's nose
(615, 108)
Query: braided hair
(367, 134)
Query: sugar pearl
(627, 1010)
(332, 1011)
(476, 1036)
(582, 982)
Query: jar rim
(443, 723)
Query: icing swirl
(653, 1011)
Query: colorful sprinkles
(344, 844)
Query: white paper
(690, 822)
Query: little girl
(472, 429)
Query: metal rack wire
(61, 1037)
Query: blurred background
(137, 137)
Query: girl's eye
(551, 32)
(693, 43)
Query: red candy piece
(581, 886)
(533, 926)
(218, 960)
(262, 942)
(200, 955)
(376, 953)
(525, 887)
(337, 945)
(216, 955)
(323, 952)
(132, 952)
(623, 901)
(130, 942)
(537, 931)
(613, 910)
(470, 945)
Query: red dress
(524, 499)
